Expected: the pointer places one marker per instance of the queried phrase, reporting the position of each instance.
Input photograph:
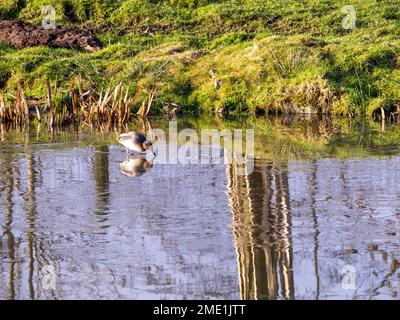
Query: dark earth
(19, 35)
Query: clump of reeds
(19, 112)
(111, 107)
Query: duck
(135, 167)
(137, 142)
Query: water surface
(319, 203)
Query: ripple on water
(197, 231)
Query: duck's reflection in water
(135, 166)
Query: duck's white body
(132, 141)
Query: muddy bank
(21, 35)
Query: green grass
(270, 56)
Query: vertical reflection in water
(31, 214)
(315, 225)
(39, 253)
(282, 214)
(102, 179)
(261, 229)
(7, 172)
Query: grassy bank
(226, 57)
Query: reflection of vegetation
(275, 138)
(260, 207)
(23, 246)
(102, 179)
(8, 181)
(26, 247)
(365, 138)
(31, 217)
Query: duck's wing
(127, 140)
(126, 136)
(132, 141)
(134, 136)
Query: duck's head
(147, 145)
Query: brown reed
(113, 106)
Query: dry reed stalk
(2, 109)
(49, 105)
(150, 102)
(144, 110)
